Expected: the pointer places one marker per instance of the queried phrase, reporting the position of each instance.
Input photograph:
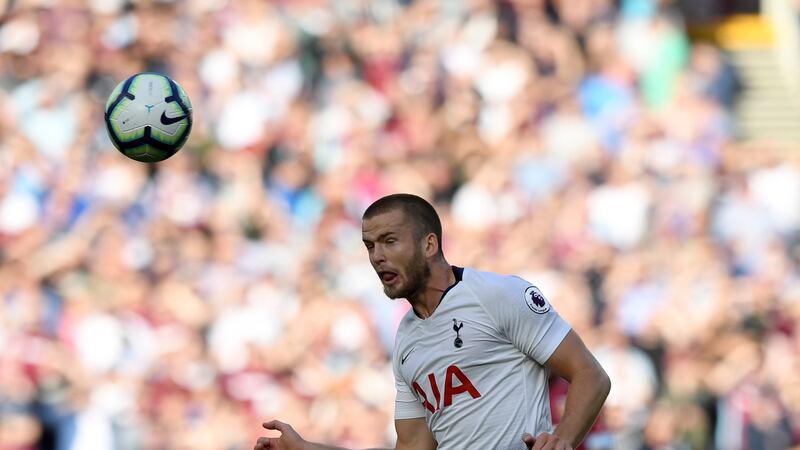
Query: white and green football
(148, 117)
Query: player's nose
(377, 256)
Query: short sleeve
(522, 313)
(406, 404)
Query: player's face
(395, 254)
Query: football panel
(123, 115)
(190, 119)
(150, 88)
(166, 137)
(114, 95)
(171, 119)
(184, 98)
(147, 153)
(123, 133)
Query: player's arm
(588, 388)
(412, 434)
(524, 315)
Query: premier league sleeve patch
(536, 301)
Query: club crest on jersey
(536, 301)
(458, 342)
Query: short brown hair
(426, 220)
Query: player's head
(403, 235)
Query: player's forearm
(588, 390)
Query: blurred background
(636, 159)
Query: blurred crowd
(586, 145)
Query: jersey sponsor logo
(405, 357)
(536, 301)
(451, 389)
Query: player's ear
(431, 245)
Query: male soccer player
(472, 358)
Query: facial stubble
(417, 275)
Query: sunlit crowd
(586, 145)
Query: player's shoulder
(481, 280)
(495, 290)
(406, 326)
(407, 321)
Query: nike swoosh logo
(170, 120)
(404, 358)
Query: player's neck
(426, 301)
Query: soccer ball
(148, 117)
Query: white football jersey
(474, 369)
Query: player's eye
(391, 240)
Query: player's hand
(288, 440)
(545, 441)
